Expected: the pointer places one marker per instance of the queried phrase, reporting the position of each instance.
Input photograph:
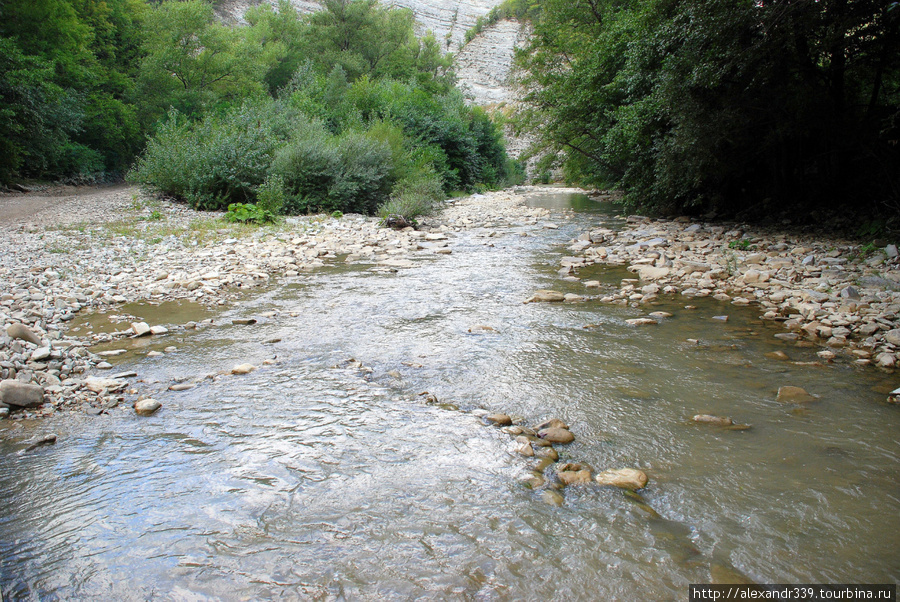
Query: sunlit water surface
(315, 479)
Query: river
(325, 476)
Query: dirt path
(65, 205)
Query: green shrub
(413, 197)
(248, 213)
(271, 195)
(351, 173)
(214, 162)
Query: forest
(718, 107)
(746, 108)
(341, 110)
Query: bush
(351, 173)
(248, 212)
(215, 162)
(413, 197)
(271, 195)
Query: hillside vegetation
(339, 110)
(749, 108)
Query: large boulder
(23, 395)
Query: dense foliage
(340, 110)
(67, 71)
(721, 105)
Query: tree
(193, 63)
(715, 104)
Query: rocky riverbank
(836, 293)
(95, 251)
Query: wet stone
(625, 478)
(552, 498)
(498, 419)
(574, 473)
(710, 419)
(547, 296)
(791, 394)
(556, 435)
(146, 407)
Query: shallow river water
(315, 478)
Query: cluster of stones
(828, 292)
(50, 274)
(538, 442)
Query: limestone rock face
(483, 65)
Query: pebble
(243, 369)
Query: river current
(326, 476)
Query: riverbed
(353, 462)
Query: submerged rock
(710, 419)
(791, 394)
(625, 478)
(546, 452)
(553, 423)
(48, 439)
(553, 498)
(182, 386)
(641, 321)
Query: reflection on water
(319, 478)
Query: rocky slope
(483, 66)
